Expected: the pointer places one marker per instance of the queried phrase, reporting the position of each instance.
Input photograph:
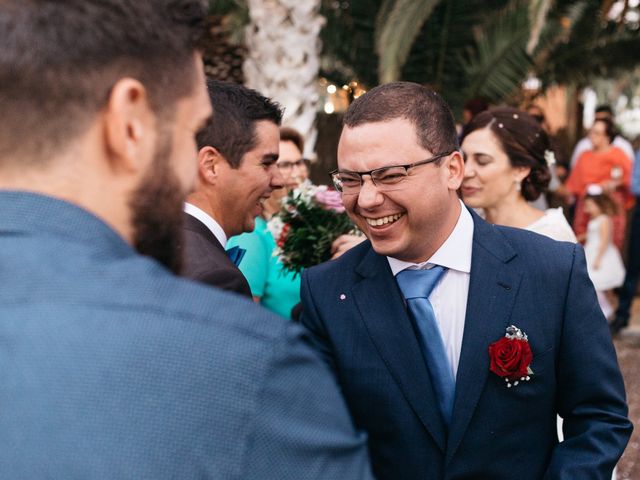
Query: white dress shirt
(449, 297)
(209, 222)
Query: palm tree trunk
(284, 59)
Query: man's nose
(369, 195)
(277, 180)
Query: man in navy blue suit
(113, 367)
(406, 319)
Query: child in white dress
(604, 262)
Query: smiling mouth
(377, 222)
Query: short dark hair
(609, 128)
(523, 140)
(604, 109)
(60, 59)
(422, 106)
(236, 109)
(288, 134)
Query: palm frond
(557, 30)
(398, 33)
(593, 46)
(348, 41)
(498, 63)
(538, 10)
(434, 57)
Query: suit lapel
(385, 317)
(492, 290)
(192, 223)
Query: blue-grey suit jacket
(357, 316)
(111, 367)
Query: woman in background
(507, 157)
(607, 166)
(274, 287)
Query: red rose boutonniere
(511, 356)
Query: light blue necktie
(235, 254)
(416, 286)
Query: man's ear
(130, 126)
(211, 165)
(455, 170)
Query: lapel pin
(342, 296)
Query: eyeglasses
(386, 179)
(286, 165)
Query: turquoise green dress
(277, 288)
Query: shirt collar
(454, 253)
(209, 222)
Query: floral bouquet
(310, 219)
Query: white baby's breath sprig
(550, 158)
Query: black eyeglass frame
(406, 167)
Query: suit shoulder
(538, 248)
(345, 264)
(527, 237)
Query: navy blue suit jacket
(113, 368)
(359, 323)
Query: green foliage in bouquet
(311, 218)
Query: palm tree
(471, 48)
(223, 49)
(281, 46)
(284, 58)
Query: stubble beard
(156, 210)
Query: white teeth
(376, 222)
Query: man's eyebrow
(270, 157)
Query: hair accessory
(515, 115)
(550, 157)
(594, 190)
(500, 125)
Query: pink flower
(330, 200)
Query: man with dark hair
(605, 113)
(113, 367)
(456, 343)
(236, 173)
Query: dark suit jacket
(206, 261)
(113, 368)
(357, 317)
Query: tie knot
(419, 283)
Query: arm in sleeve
(574, 183)
(591, 396)
(302, 426)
